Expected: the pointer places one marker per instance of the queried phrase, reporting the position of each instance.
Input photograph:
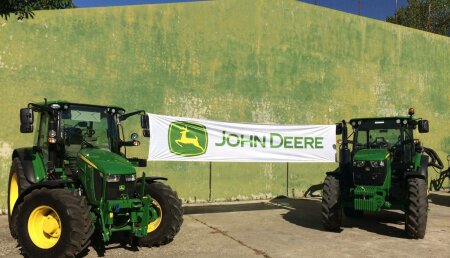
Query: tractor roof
(381, 118)
(62, 102)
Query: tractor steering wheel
(379, 142)
(85, 144)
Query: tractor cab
(63, 129)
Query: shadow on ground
(440, 199)
(228, 207)
(307, 213)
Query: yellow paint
(155, 224)
(44, 227)
(185, 140)
(13, 192)
(87, 161)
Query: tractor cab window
(83, 126)
(41, 140)
(377, 138)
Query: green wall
(256, 61)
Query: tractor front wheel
(416, 208)
(170, 215)
(331, 210)
(17, 183)
(54, 223)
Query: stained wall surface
(257, 61)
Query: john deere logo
(121, 187)
(187, 139)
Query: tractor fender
(423, 168)
(46, 184)
(336, 172)
(151, 179)
(25, 156)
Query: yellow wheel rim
(155, 224)
(44, 227)
(13, 192)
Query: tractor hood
(371, 154)
(106, 161)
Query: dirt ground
(284, 228)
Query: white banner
(187, 139)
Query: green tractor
(76, 183)
(386, 168)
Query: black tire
(172, 215)
(331, 210)
(352, 213)
(417, 208)
(15, 188)
(67, 209)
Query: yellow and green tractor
(76, 182)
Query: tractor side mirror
(339, 128)
(424, 126)
(145, 124)
(26, 120)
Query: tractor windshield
(377, 138)
(381, 134)
(86, 126)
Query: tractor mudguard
(47, 184)
(421, 171)
(336, 172)
(26, 158)
(151, 179)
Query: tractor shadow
(227, 207)
(307, 213)
(117, 241)
(440, 198)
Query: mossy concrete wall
(258, 61)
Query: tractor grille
(368, 175)
(114, 192)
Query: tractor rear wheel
(416, 208)
(54, 223)
(331, 210)
(17, 183)
(170, 215)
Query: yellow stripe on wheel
(13, 192)
(44, 227)
(155, 224)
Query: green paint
(106, 161)
(38, 166)
(371, 154)
(282, 62)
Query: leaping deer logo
(185, 140)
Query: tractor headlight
(359, 163)
(52, 133)
(113, 178)
(130, 178)
(376, 163)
